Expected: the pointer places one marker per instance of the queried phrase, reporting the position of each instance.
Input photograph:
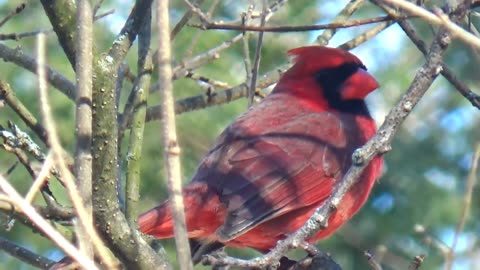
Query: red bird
(279, 161)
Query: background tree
(424, 204)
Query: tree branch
(170, 142)
(447, 73)
(25, 255)
(45, 226)
(303, 28)
(127, 35)
(467, 202)
(83, 121)
(57, 153)
(124, 241)
(138, 108)
(62, 17)
(341, 17)
(29, 63)
(439, 18)
(12, 13)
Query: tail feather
(157, 222)
(204, 213)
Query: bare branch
(172, 149)
(12, 13)
(365, 36)
(183, 21)
(258, 50)
(217, 98)
(18, 36)
(62, 17)
(416, 262)
(246, 17)
(200, 32)
(447, 73)
(439, 18)
(194, 8)
(29, 63)
(302, 28)
(429, 239)
(134, 251)
(40, 180)
(127, 35)
(201, 59)
(103, 15)
(97, 7)
(45, 226)
(60, 162)
(346, 12)
(139, 98)
(372, 261)
(25, 255)
(83, 123)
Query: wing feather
(263, 175)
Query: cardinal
(275, 164)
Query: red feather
(275, 164)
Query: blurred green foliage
(425, 173)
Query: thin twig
(21, 110)
(467, 203)
(372, 261)
(302, 28)
(20, 140)
(97, 7)
(342, 16)
(203, 17)
(416, 262)
(12, 13)
(202, 59)
(18, 36)
(365, 36)
(197, 61)
(200, 32)
(53, 207)
(45, 226)
(103, 15)
(246, 17)
(274, 7)
(447, 73)
(205, 82)
(431, 240)
(172, 149)
(258, 51)
(221, 97)
(439, 19)
(40, 180)
(183, 21)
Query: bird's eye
(331, 78)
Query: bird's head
(327, 77)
